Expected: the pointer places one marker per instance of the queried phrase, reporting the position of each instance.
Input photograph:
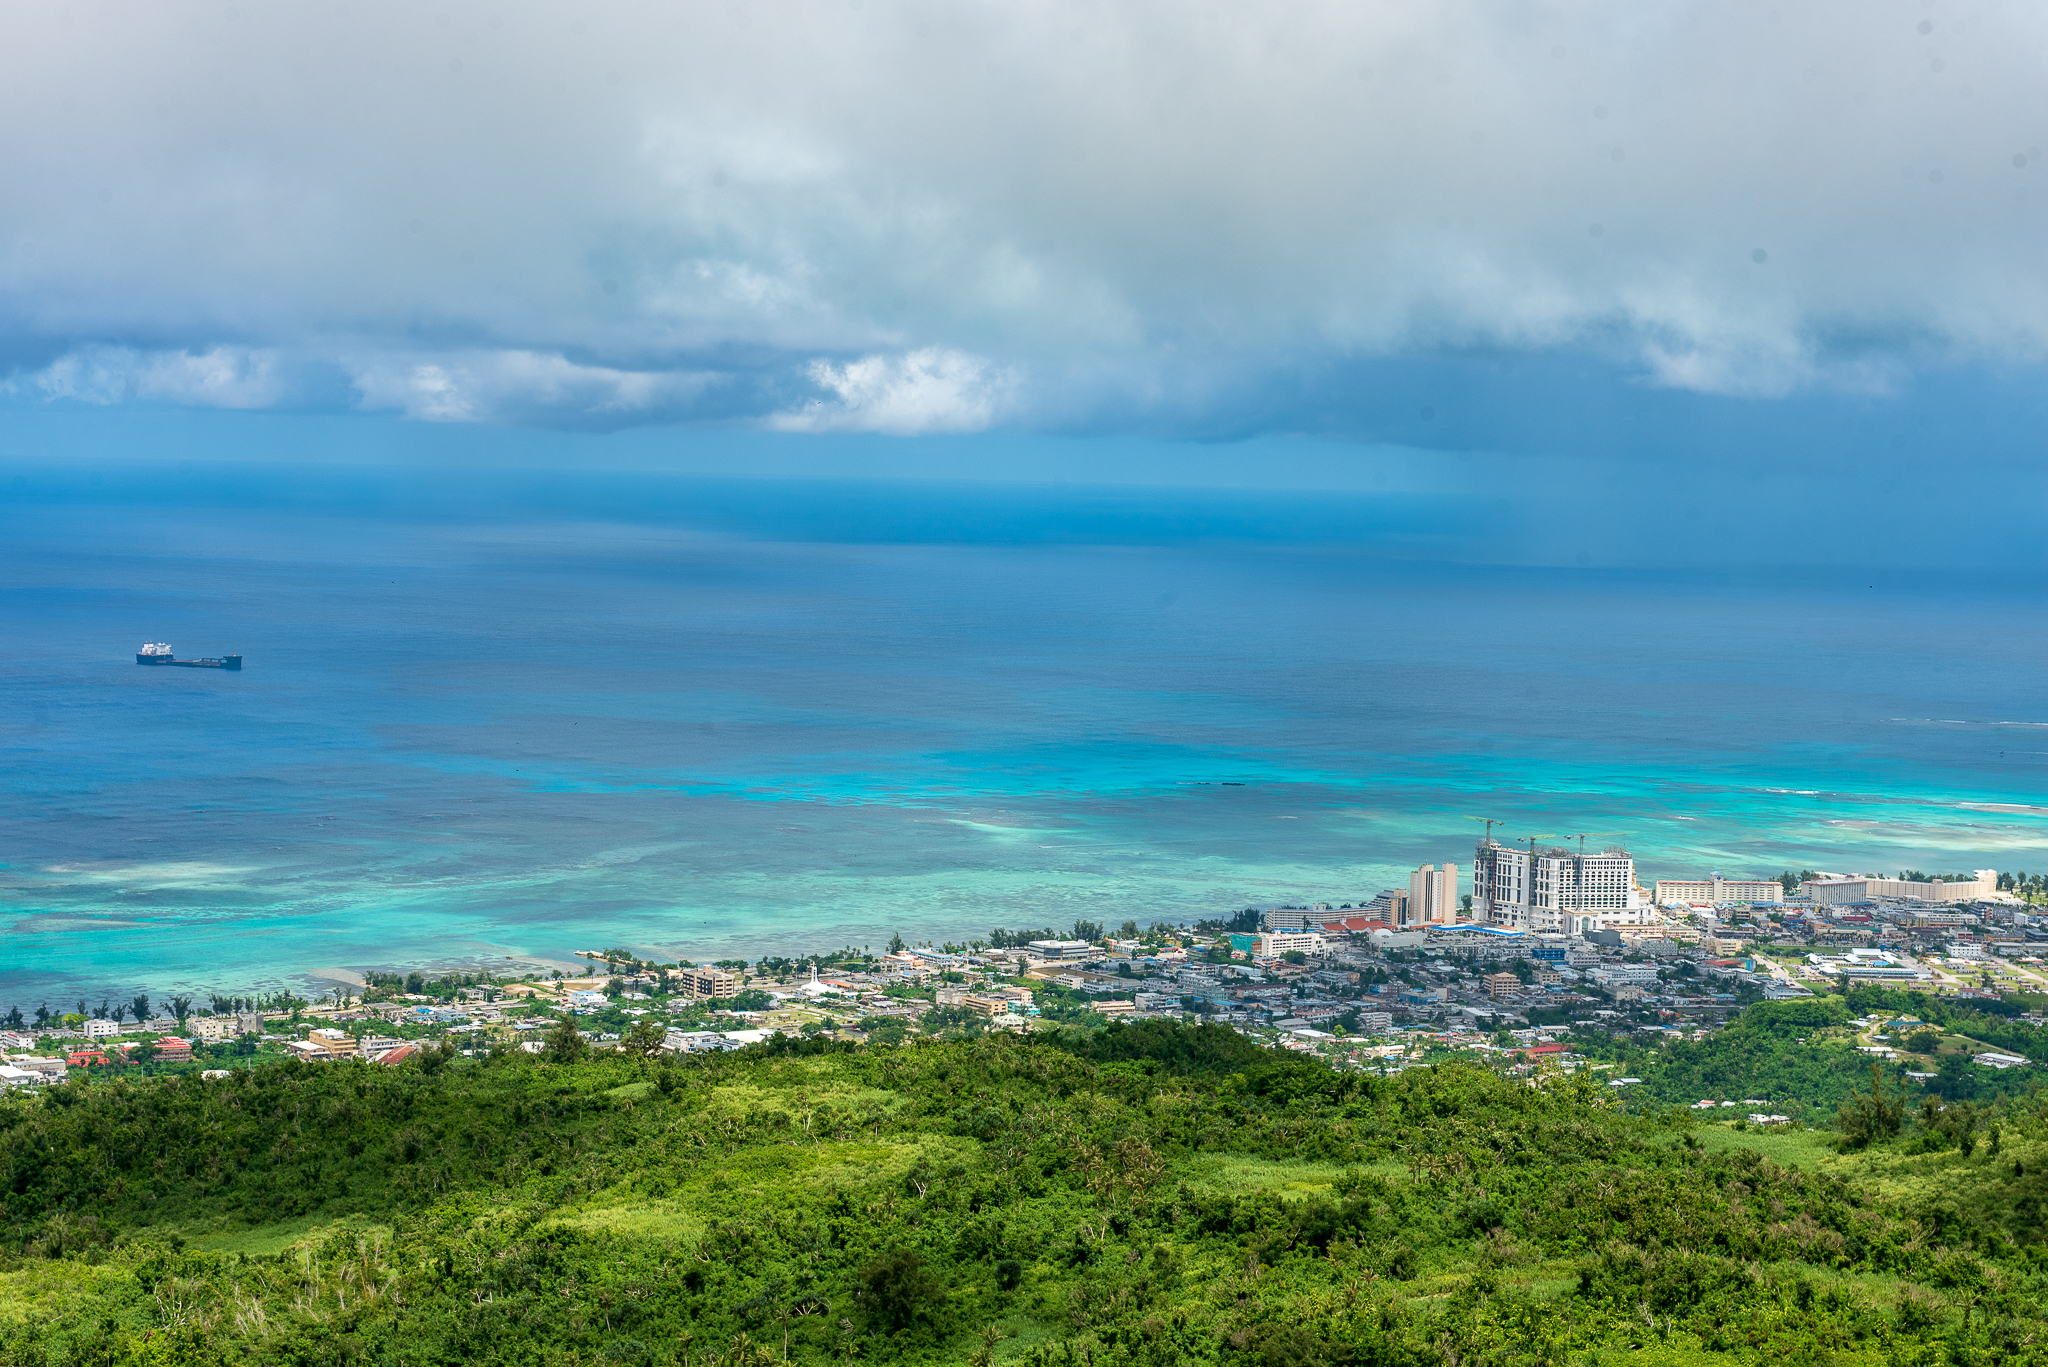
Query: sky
(1798, 246)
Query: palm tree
(744, 1352)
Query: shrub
(898, 1290)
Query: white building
(1432, 896)
(1274, 943)
(1608, 974)
(1832, 891)
(1060, 949)
(102, 1029)
(214, 1029)
(1714, 890)
(1555, 890)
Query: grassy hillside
(1144, 1195)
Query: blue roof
(1509, 931)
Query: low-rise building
(1271, 944)
(216, 1029)
(1060, 949)
(1502, 985)
(99, 1028)
(48, 1065)
(323, 1043)
(1715, 890)
(1832, 889)
(1607, 974)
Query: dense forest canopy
(1146, 1193)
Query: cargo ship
(157, 653)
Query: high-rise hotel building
(1432, 896)
(1554, 890)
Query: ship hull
(224, 662)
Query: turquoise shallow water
(701, 720)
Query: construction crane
(1490, 823)
(1580, 836)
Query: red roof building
(1354, 925)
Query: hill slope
(1145, 1195)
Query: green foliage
(565, 1043)
(898, 1291)
(1141, 1194)
(1794, 1017)
(1871, 1116)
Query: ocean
(493, 722)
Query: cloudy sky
(1457, 223)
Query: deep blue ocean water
(703, 718)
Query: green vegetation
(1141, 1194)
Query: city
(1557, 959)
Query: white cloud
(928, 390)
(523, 386)
(642, 211)
(221, 377)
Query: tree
(42, 1015)
(644, 1039)
(181, 1007)
(1957, 1078)
(1922, 1042)
(114, 1013)
(897, 1290)
(566, 1043)
(895, 944)
(1868, 1117)
(1090, 931)
(140, 1006)
(14, 1018)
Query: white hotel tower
(1555, 890)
